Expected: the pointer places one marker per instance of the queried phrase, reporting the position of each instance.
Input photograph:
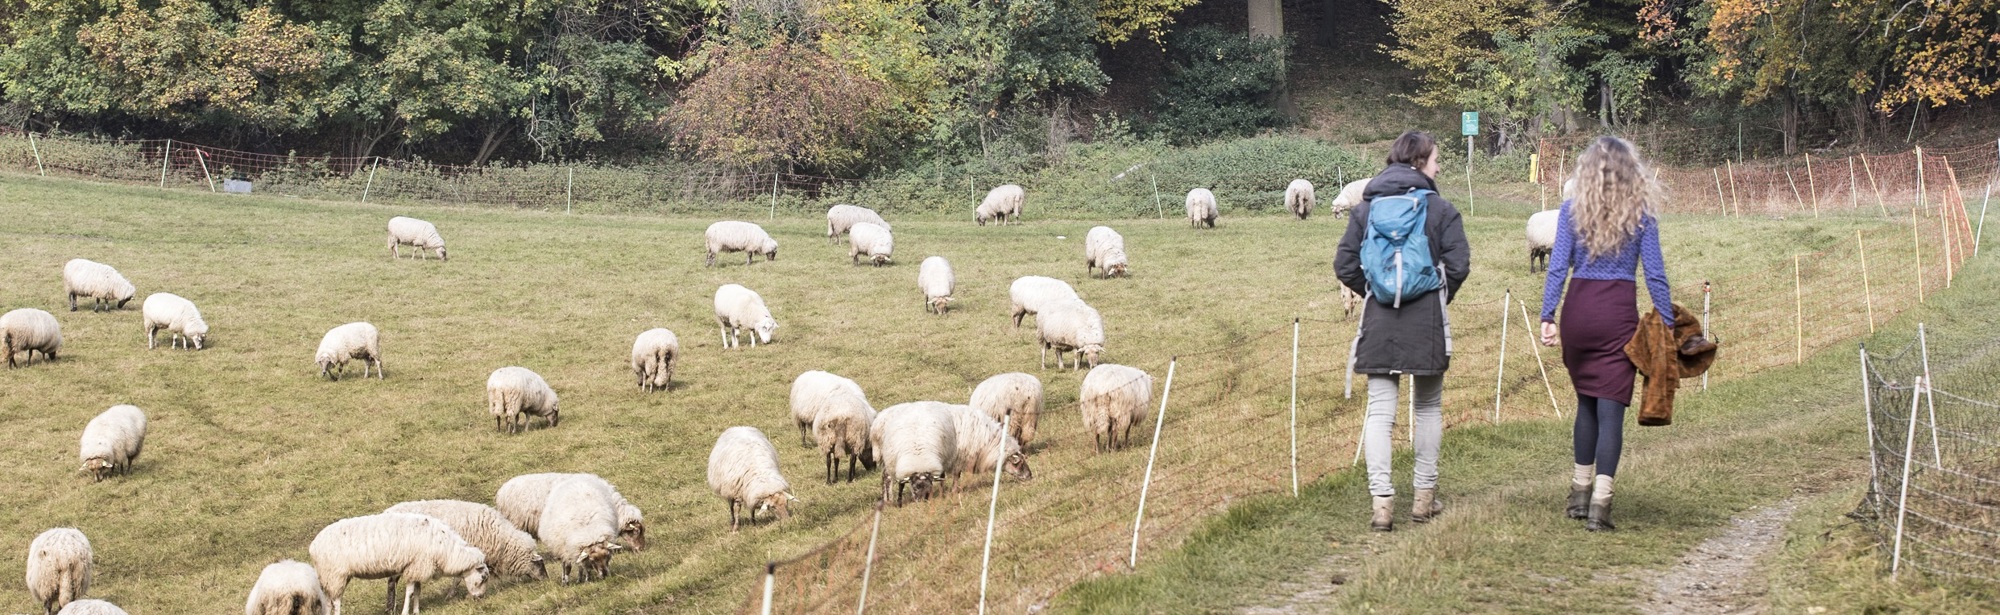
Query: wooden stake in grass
(1737, 202)
(1538, 361)
(1867, 296)
(1812, 184)
(1879, 202)
(1917, 252)
(1798, 313)
(1796, 198)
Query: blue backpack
(1395, 252)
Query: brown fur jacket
(1666, 356)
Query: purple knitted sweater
(1570, 253)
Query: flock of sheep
(581, 519)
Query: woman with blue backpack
(1405, 250)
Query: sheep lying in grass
(1104, 248)
(508, 550)
(417, 234)
(738, 308)
(1114, 398)
(287, 588)
(103, 285)
(840, 218)
(398, 547)
(1070, 326)
(1032, 294)
(1299, 198)
(1001, 202)
(112, 441)
(27, 330)
(936, 280)
(873, 241)
(354, 340)
(1350, 196)
(653, 356)
(521, 499)
(1541, 238)
(743, 470)
(579, 525)
(1201, 210)
(515, 393)
(1012, 393)
(735, 236)
(175, 314)
(914, 443)
(59, 562)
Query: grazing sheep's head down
(597, 557)
(880, 259)
(197, 332)
(771, 249)
(1090, 352)
(441, 254)
(922, 484)
(538, 568)
(98, 468)
(634, 532)
(1017, 466)
(764, 328)
(125, 292)
(475, 581)
(1117, 269)
(979, 217)
(939, 303)
(777, 503)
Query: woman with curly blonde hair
(1603, 234)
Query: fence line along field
(249, 452)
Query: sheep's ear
(789, 496)
(535, 557)
(612, 546)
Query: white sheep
(737, 236)
(1104, 248)
(914, 443)
(417, 234)
(27, 330)
(579, 525)
(870, 240)
(508, 550)
(515, 393)
(1012, 393)
(653, 357)
(395, 546)
(1114, 398)
(1201, 209)
(112, 440)
(1350, 196)
(287, 588)
(1299, 198)
(86, 278)
(983, 445)
(738, 308)
(59, 567)
(1070, 326)
(812, 392)
(521, 499)
(354, 340)
(1034, 293)
(1542, 238)
(175, 314)
(936, 280)
(91, 607)
(743, 469)
(840, 218)
(1001, 202)
(836, 412)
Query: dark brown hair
(1413, 148)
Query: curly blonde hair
(1615, 191)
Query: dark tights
(1600, 433)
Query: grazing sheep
(1114, 398)
(1541, 238)
(579, 525)
(735, 236)
(111, 442)
(738, 308)
(1070, 326)
(398, 547)
(813, 391)
(287, 588)
(354, 340)
(1001, 202)
(873, 241)
(936, 280)
(1201, 208)
(91, 607)
(508, 550)
(107, 289)
(983, 445)
(1299, 198)
(840, 218)
(915, 444)
(28, 330)
(515, 393)
(653, 355)
(1032, 294)
(521, 499)
(1104, 248)
(837, 413)
(175, 314)
(1012, 393)
(743, 469)
(58, 568)
(1350, 195)
(417, 234)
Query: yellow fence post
(1812, 184)
(1732, 188)
(1879, 202)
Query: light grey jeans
(1381, 420)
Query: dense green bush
(1218, 84)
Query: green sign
(1468, 123)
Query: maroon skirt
(1598, 318)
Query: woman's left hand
(1548, 334)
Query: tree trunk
(495, 134)
(1267, 20)
(1788, 120)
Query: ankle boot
(1600, 506)
(1579, 491)
(1385, 510)
(1425, 506)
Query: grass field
(250, 453)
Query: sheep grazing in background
(872, 241)
(354, 340)
(112, 441)
(579, 525)
(812, 392)
(1070, 326)
(836, 413)
(1012, 393)
(28, 330)
(1201, 209)
(1000, 203)
(653, 356)
(521, 499)
(1032, 294)
(58, 568)
(1350, 196)
(417, 234)
(508, 550)
(1541, 238)
(288, 588)
(936, 280)
(91, 607)
(1299, 198)
(738, 308)
(515, 393)
(840, 218)
(736, 236)
(983, 445)
(103, 285)
(914, 443)
(743, 469)
(1104, 248)
(175, 314)
(1114, 398)
(399, 547)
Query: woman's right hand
(1548, 334)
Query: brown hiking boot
(1385, 511)
(1425, 506)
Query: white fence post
(1868, 414)
(1159, 210)
(370, 185)
(770, 584)
(569, 189)
(43, 172)
(1903, 500)
(202, 158)
(1538, 360)
(774, 195)
(1500, 374)
(868, 566)
(1147, 484)
(165, 156)
(1923, 347)
(1705, 296)
(1295, 406)
(992, 510)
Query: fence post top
(770, 568)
